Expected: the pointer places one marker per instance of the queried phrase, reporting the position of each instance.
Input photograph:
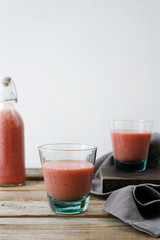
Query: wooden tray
(112, 179)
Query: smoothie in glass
(68, 180)
(68, 170)
(130, 142)
(130, 145)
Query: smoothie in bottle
(12, 166)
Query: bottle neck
(7, 105)
(7, 89)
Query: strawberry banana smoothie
(12, 170)
(68, 180)
(130, 145)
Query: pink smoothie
(68, 180)
(12, 170)
(130, 145)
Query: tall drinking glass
(68, 170)
(130, 141)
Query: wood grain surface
(25, 214)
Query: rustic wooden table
(25, 214)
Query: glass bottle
(12, 162)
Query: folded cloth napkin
(107, 159)
(138, 206)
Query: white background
(79, 63)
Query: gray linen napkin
(138, 206)
(107, 159)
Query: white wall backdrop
(78, 64)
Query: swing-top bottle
(12, 163)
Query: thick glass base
(67, 207)
(11, 185)
(131, 167)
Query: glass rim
(88, 147)
(131, 121)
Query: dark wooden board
(112, 179)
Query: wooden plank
(32, 196)
(34, 174)
(42, 209)
(35, 188)
(29, 186)
(112, 179)
(68, 228)
(23, 196)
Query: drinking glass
(130, 141)
(68, 170)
